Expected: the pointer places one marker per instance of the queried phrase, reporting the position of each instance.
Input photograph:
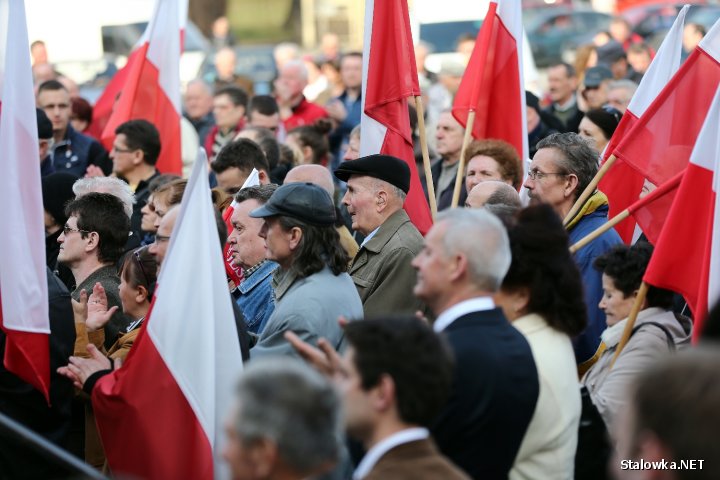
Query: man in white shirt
(394, 378)
(464, 259)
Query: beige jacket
(381, 269)
(609, 388)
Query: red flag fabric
(152, 87)
(160, 415)
(687, 255)
(492, 85)
(659, 144)
(651, 211)
(389, 78)
(24, 317)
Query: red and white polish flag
(623, 184)
(492, 85)
(24, 316)
(151, 87)
(389, 78)
(160, 415)
(687, 255)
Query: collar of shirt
(567, 105)
(282, 281)
(447, 317)
(134, 324)
(370, 235)
(381, 448)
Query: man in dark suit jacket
(495, 386)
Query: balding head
(316, 174)
(492, 193)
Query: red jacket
(304, 113)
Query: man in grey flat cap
(381, 270)
(311, 287)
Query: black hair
(541, 262)
(51, 85)
(626, 267)
(104, 214)
(319, 246)
(140, 269)
(314, 136)
(243, 154)
(264, 105)
(237, 95)
(141, 135)
(408, 351)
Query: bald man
(493, 192)
(320, 176)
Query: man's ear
(571, 183)
(263, 177)
(296, 234)
(93, 241)
(381, 200)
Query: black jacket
(26, 405)
(493, 396)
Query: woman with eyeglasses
(137, 284)
(598, 125)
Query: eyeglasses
(161, 238)
(536, 174)
(123, 150)
(67, 229)
(137, 254)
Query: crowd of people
(483, 349)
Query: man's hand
(98, 313)
(80, 308)
(79, 369)
(336, 110)
(323, 358)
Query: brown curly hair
(503, 153)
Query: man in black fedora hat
(377, 187)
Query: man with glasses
(72, 151)
(92, 242)
(134, 154)
(561, 169)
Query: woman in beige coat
(542, 296)
(657, 329)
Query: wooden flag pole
(600, 230)
(589, 189)
(461, 163)
(426, 155)
(637, 306)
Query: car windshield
(444, 36)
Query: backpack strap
(668, 335)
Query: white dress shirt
(381, 448)
(447, 317)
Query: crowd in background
(484, 349)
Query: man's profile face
(431, 265)
(549, 183)
(231, 179)
(246, 244)
(73, 243)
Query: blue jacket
(256, 297)
(339, 137)
(587, 342)
(76, 151)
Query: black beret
(303, 201)
(384, 167)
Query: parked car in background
(553, 31)
(653, 21)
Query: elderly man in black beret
(377, 187)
